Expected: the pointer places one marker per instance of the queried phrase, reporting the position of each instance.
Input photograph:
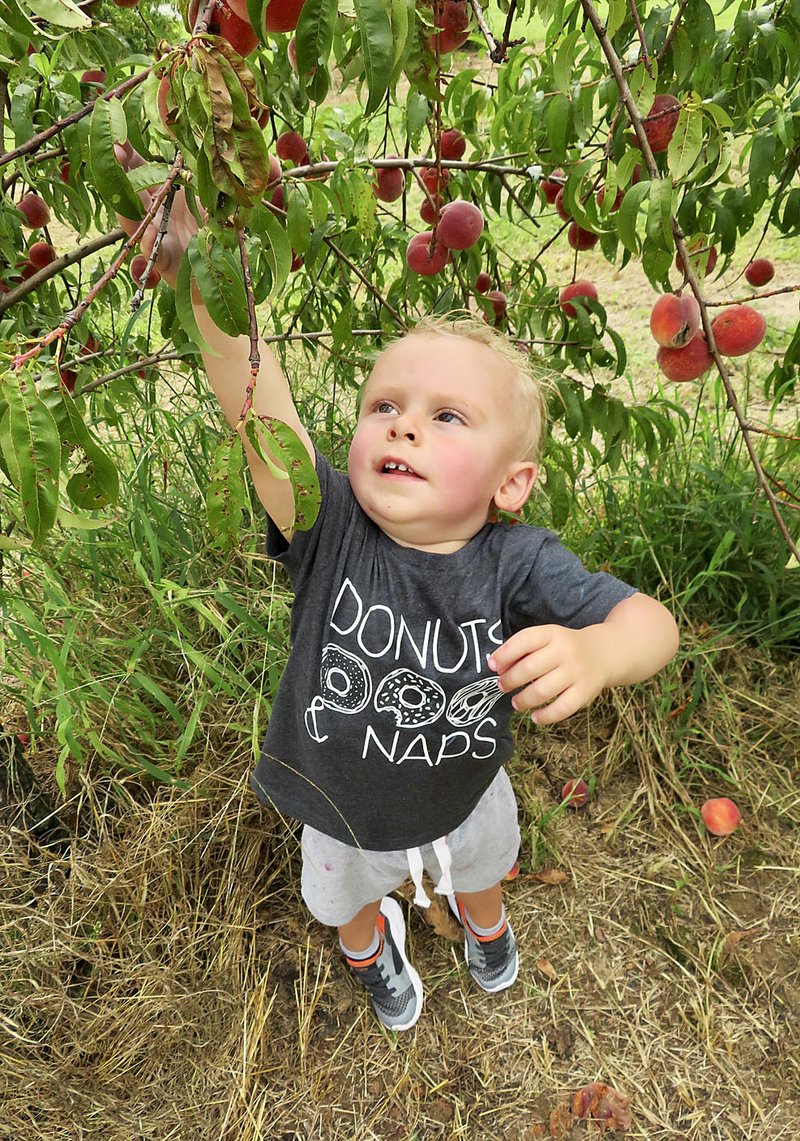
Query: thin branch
(733, 403)
(58, 266)
(673, 29)
(642, 40)
(755, 296)
(255, 355)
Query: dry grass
(161, 979)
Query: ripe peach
(430, 209)
(661, 121)
(499, 303)
(94, 76)
(433, 179)
(601, 194)
(297, 261)
(452, 144)
(576, 289)
(575, 793)
(702, 257)
(224, 22)
(674, 320)
(126, 3)
(687, 363)
(41, 254)
(759, 272)
(425, 256)
(452, 17)
(63, 171)
(738, 329)
(138, 266)
(282, 15)
(68, 377)
(460, 225)
(561, 209)
(292, 147)
(581, 239)
(35, 210)
(720, 816)
(551, 185)
(390, 182)
(483, 282)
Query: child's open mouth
(391, 467)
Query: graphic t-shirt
(388, 725)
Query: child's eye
(449, 416)
(384, 406)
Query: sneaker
(493, 960)
(394, 987)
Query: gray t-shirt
(388, 725)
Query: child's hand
(556, 670)
(181, 228)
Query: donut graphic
(472, 702)
(412, 699)
(345, 682)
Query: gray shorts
(338, 880)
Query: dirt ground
(160, 978)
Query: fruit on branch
(126, 3)
(452, 144)
(430, 209)
(297, 261)
(581, 239)
(281, 15)
(759, 272)
(575, 793)
(687, 363)
(41, 254)
(460, 225)
(138, 266)
(68, 377)
(674, 320)
(426, 256)
(292, 147)
(720, 816)
(26, 269)
(63, 171)
(483, 282)
(224, 22)
(94, 76)
(433, 179)
(738, 329)
(551, 185)
(561, 209)
(390, 182)
(35, 211)
(452, 17)
(661, 121)
(601, 194)
(499, 303)
(576, 289)
(703, 258)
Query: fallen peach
(575, 793)
(720, 816)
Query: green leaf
(377, 48)
(628, 213)
(276, 250)
(659, 214)
(226, 494)
(32, 449)
(564, 62)
(62, 13)
(686, 144)
(110, 181)
(558, 124)
(298, 223)
(221, 283)
(314, 33)
(271, 436)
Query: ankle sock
(355, 957)
(486, 932)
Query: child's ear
(516, 488)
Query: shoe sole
(506, 983)
(392, 912)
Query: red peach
(499, 303)
(601, 194)
(700, 255)
(581, 239)
(576, 289)
(292, 147)
(68, 377)
(452, 144)
(426, 257)
(551, 185)
(138, 266)
(561, 209)
(390, 182)
(483, 282)
(224, 22)
(759, 272)
(687, 363)
(575, 793)
(720, 816)
(434, 180)
(41, 254)
(430, 209)
(738, 329)
(674, 320)
(94, 76)
(460, 225)
(453, 18)
(35, 211)
(661, 121)
(282, 15)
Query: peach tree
(354, 164)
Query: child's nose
(402, 428)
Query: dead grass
(160, 977)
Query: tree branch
(58, 266)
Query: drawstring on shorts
(445, 884)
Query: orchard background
(158, 974)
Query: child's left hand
(557, 670)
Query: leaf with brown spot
(734, 938)
(546, 968)
(442, 920)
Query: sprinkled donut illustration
(412, 699)
(344, 680)
(472, 702)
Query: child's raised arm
(227, 359)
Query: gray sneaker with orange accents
(394, 987)
(493, 960)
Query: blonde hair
(528, 373)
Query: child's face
(440, 407)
